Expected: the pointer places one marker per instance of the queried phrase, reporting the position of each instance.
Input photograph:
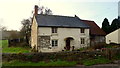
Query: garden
(12, 49)
(22, 56)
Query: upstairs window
(54, 30)
(82, 41)
(54, 43)
(82, 30)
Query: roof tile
(59, 21)
(94, 28)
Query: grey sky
(14, 11)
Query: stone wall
(44, 41)
(68, 56)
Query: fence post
(108, 53)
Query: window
(54, 30)
(54, 43)
(82, 41)
(82, 30)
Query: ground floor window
(82, 41)
(54, 43)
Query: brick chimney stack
(36, 10)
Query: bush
(117, 57)
(41, 63)
(81, 49)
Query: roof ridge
(57, 15)
(88, 20)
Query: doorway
(68, 43)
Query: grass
(15, 50)
(42, 63)
(81, 49)
(3, 43)
(6, 49)
(89, 62)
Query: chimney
(36, 10)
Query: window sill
(82, 33)
(82, 44)
(54, 46)
(54, 33)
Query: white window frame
(82, 30)
(54, 43)
(82, 40)
(54, 29)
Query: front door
(68, 44)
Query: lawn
(6, 49)
(41, 63)
(86, 62)
(89, 62)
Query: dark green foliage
(41, 63)
(30, 56)
(26, 30)
(117, 57)
(110, 28)
(115, 25)
(81, 49)
(106, 25)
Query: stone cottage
(54, 33)
(97, 35)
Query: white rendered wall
(34, 33)
(113, 37)
(62, 34)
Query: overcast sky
(12, 12)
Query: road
(78, 66)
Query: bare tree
(3, 28)
(26, 30)
(48, 11)
(44, 10)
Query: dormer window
(54, 30)
(82, 30)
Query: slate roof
(59, 21)
(94, 28)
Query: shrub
(30, 56)
(41, 63)
(117, 57)
(81, 49)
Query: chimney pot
(36, 10)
